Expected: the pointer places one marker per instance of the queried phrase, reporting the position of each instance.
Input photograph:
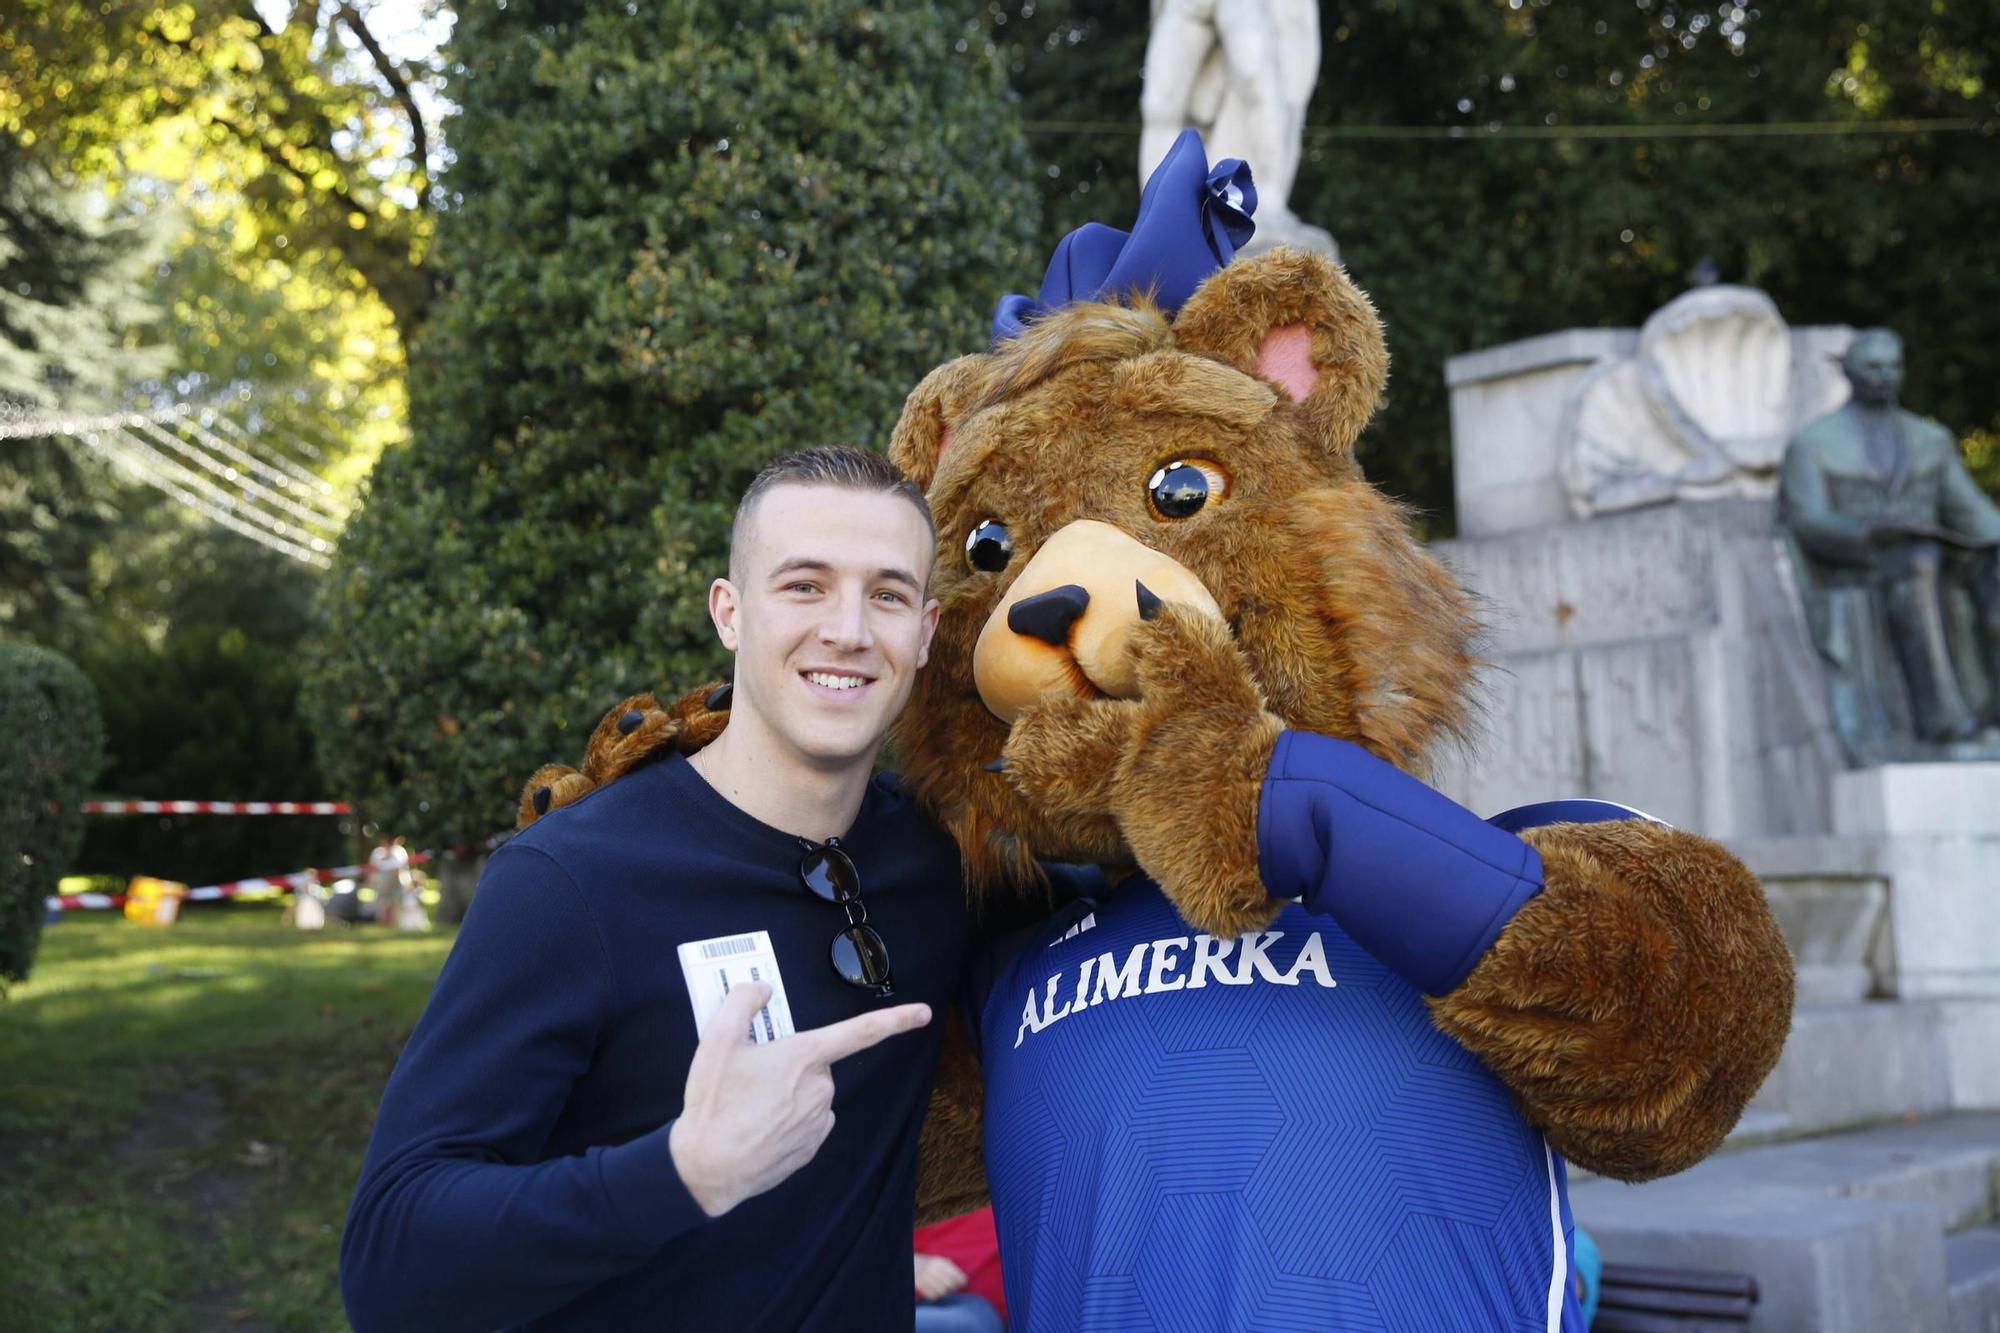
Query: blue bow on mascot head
(1192, 220)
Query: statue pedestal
(1937, 828)
(1292, 232)
(1656, 657)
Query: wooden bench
(1634, 1298)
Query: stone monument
(1698, 409)
(1242, 73)
(1616, 496)
(1617, 507)
(1617, 503)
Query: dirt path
(183, 1155)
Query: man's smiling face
(826, 613)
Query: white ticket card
(715, 967)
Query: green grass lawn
(183, 1113)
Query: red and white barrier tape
(217, 808)
(88, 902)
(298, 879)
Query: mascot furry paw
(1288, 1040)
(637, 731)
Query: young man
(557, 1147)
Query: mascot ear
(1291, 318)
(930, 414)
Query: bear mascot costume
(1262, 1031)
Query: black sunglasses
(858, 954)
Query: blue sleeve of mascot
(1413, 877)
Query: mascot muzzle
(1063, 625)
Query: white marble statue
(1241, 72)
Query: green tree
(1469, 237)
(189, 631)
(275, 160)
(687, 236)
(283, 155)
(197, 669)
(59, 507)
(51, 743)
(77, 324)
(77, 314)
(306, 128)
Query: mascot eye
(1181, 488)
(988, 547)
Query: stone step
(1755, 1126)
(1820, 1083)
(1972, 1280)
(1845, 1233)
(1864, 1062)
(1753, 1129)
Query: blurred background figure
(1589, 1273)
(307, 910)
(389, 875)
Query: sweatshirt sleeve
(455, 1224)
(1413, 877)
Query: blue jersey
(1268, 1132)
(1261, 1133)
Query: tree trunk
(457, 876)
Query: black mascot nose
(1048, 615)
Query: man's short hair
(841, 465)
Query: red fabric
(971, 1243)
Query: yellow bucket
(153, 902)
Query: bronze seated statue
(1898, 550)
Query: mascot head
(1165, 423)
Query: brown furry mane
(1089, 331)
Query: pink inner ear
(944, 440)
(1285, 358)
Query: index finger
(837, 1041)
(730, 1024)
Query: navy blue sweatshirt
(519, 1173)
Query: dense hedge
(206, 713)
(195, 651)
(682, 237)
(51, 746)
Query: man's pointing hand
(753, 1114)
